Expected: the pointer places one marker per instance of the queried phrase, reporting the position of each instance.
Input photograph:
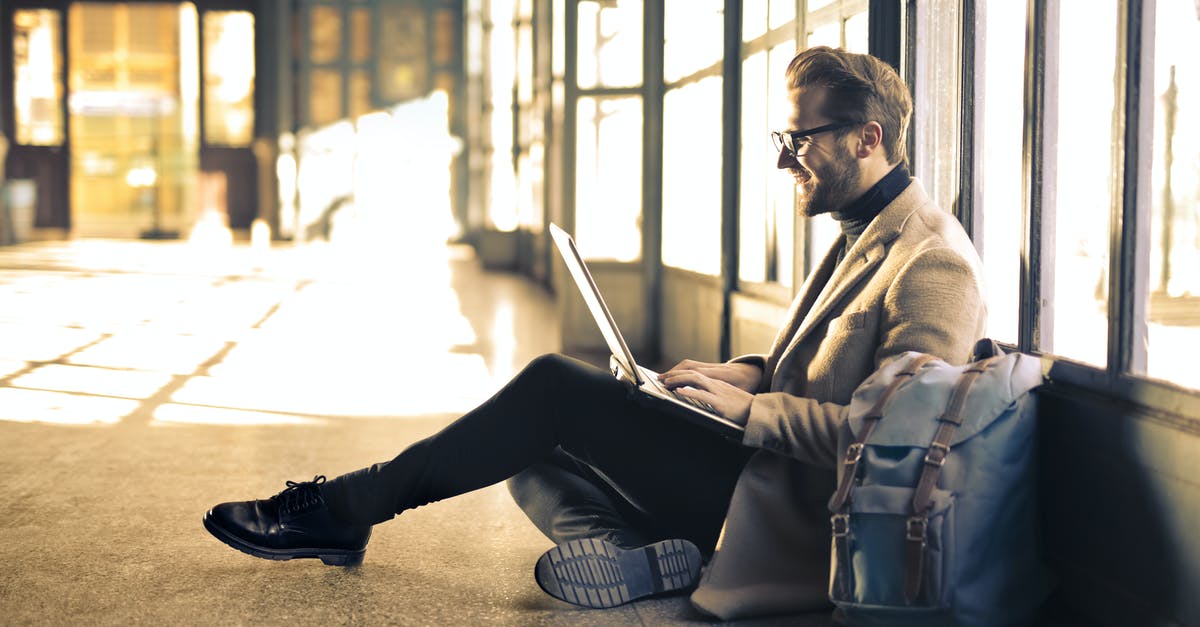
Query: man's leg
(679, 475)
(568, 500)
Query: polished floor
(143, 382)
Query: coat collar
(859, 262)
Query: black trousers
(583, 458)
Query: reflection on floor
(140, 383)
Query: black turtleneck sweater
(858, 214)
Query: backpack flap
(923, 399)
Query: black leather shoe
(293, 523)
(597, 573)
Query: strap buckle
(854, 453)
(841, 525)
(936, 456)
(915, 529)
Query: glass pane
(360, 93)
(1087, 66)
(445, 38)
(754, 20)
(133, 114)
(610, 43)
(781, 190)
(325, 34)
(402, 52)
(692, 177)
(38, 88)
(1173, 319)
(502, 208)
(229, 77)
(695, 35)
(756, 166)
(608, 179)
(360, 34)
(856, 33)
(782, 12)
(325, 97)
(999, 198)
(558, 39)
(828, 34)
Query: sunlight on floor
(211, 331)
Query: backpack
(934, 518)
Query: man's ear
(870, 139)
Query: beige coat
(912, 281)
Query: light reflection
(172, 413)
(361, 321)
(504, 342)
(17, 405)
(10, 367)
(132, 384)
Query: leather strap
(935, 458)
(840, 521)
(854, 452)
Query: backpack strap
(840, 520)
(935, 458)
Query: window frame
(1120, 379)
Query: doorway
(133, 111)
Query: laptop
(622, 363)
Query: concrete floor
(141, 383)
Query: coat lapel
(859, 263)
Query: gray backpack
(934, 518)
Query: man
(640, 497)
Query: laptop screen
(595, 303)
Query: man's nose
(786, 160)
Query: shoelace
(298, 496)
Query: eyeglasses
(797, 142)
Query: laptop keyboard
(690, 401)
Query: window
(608, 160)
(692, 139)
(1078, 146)
(1173, 286)
(692, 177)
(840, 23)
(694, 30)
(38, 88)
(502, 205)
(767, 203)
(998, 194)
(608, 182)
(610, 44)
(228, 77)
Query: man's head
(849, 117)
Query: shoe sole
(330, 557)
(598, 574)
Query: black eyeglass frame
(789, 139)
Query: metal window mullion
(304, 78)
(570, 111)
(731, 90)
(1128, 227)
(652, 92)
(344, 63)
(969, 121)
(1041, 73)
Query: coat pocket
(849, 321)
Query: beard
(829, 187)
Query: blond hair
(859, 87)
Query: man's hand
(740, 375)
(727, 387)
